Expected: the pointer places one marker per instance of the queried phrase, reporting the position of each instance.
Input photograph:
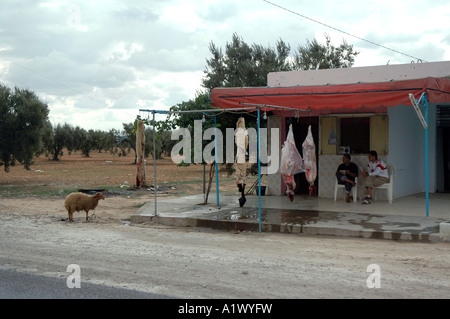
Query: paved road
(196, 263)
(18, 285)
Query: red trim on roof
(370, 97)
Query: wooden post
(140, 150)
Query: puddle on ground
(270, 215)
(248, 218)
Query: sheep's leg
(87, 215)
(70, 216)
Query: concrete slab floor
(405, 219)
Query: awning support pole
(216, 161)
(423, 100)
(154, 163)
(259, 167)
(427, 193)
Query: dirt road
(203, 263)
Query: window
(360, 133)
(355, 133)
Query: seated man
(376, 175)
(345, 174)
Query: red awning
(329, 98)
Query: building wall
(382, 73)
(407, 150)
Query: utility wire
(56, 82)
(336, 29)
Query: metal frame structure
(422, 101)
(253, 107)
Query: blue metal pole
(217, 164)
(154, 164)
(427, 192)
(259, 169)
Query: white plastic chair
(388, 186)
(338, 186)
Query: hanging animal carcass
(309, 160)
(291, 163)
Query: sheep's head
(99, 196)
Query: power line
(341, 31)
(56, 82)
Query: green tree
(48, 137)
(130, 138)
(163, 141)
(79, 135)
(88, 142)
(182, 118)
(99, 139)
(22, 120)
(241, 64)
(111, 140)
(166, 142)
(244, 65)
(120, 142)
(149, 143)
(315, 56)
(62, 137)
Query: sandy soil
(112, 208)
(100, 170)
(204, 263)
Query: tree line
(26, 132)
(120, 143)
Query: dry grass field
(104, 171)
(41, 191)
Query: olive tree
(23, 118)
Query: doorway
(300, 129)
(443, 154)
(446, 155)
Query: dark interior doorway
(446, 153)
(300, 129)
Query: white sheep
(79, 201)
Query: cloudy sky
(96, 63)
